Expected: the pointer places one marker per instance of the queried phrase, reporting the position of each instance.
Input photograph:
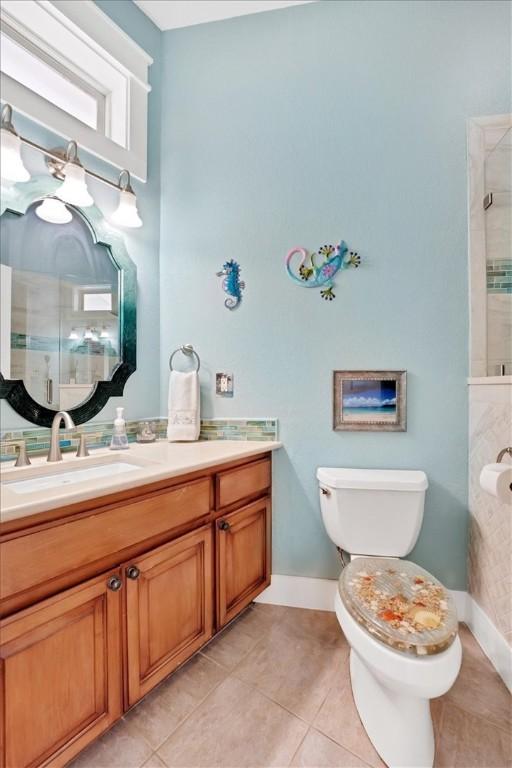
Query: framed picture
(369, 401)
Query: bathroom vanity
(105, 591)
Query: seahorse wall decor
(232, 284)
(311, 275)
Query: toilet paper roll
(496, 479)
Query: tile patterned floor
(273, 690)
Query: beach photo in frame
(369, 401)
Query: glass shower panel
(498, 235)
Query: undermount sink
(43, 478)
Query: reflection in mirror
(60, 309)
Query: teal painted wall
(301, 126)
(142, 394)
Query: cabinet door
(60, 667)
(169, 608)
(243, 549)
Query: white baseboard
(300, 592)
(306, 592)
(490, 640)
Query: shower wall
(498, 254)
(490, 245)
(490, 393)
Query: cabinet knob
(114, 583)
(132, 572)
(223, 525)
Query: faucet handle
(22, 459)
(82, 446)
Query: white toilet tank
(372, 511)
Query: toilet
(399, 620)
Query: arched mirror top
(69, 308)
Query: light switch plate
(224, 384)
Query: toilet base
(398, 725)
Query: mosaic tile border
(499, 276)
(99, 434)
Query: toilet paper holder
(503, 453)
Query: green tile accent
(499, 276)
(99, 434)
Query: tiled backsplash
(99, 434)
(499, 276)
(238, 429)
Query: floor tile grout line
(227, 672)
(245, 612)
(273, 701)
(347, 749)
(199, 702)
(236, 674)
(142, 702)
(279, 704)
(300, 745)
(472, 713)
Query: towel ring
(186, 349)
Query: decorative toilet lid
(400, 604)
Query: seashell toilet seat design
(399, 620)
(400, 604)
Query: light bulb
(104, 333)
(126, 214)
(73, 334)
(54, 211)
(88, 334)
(11, 164)
(73, 189)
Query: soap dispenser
(119, 440)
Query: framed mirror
(68, 309)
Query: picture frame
(370, 401)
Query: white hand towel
(184, 423)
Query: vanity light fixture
(73, 189)
(104, 333)
(126, 213)
(54, 211)
(11, 163)
(64, 165)
(73, 335)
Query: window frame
(117, 69)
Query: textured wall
(301, 126)
(490, 530)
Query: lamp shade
(126, 213)
(11, 164)
(54, 211)
(73, 189)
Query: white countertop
(159, 461)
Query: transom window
(69, 67)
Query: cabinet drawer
(242, 483)
(31, 560)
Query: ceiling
(171, 14)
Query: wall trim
(318, 594)
(490, 640)
(307, 592)
(300, 592)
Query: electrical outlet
(224, 384)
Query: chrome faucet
(54, 453)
